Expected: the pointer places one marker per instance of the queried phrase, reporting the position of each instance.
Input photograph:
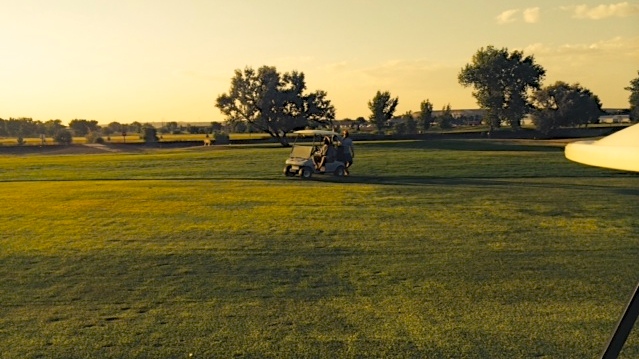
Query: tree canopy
(502, 81)
(564, 105)
(382, 107)
(274, 103)
(83, 127)
(634, 98)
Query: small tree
(409, 123)
(221, 138)
(634, 98)
(94, 137)
(445, 120)
(134, 127)
(150, 134)
(16, 127)
(400, 128)
(83, 127)
(360, 121)
(113, 127)
(216, 127)
(52, 127)
(63, 137)
(425, 114)
(382, 107)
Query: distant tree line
(24, 127)
(27, 127)
(507, 86)
(173, 127)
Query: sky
(168, 60)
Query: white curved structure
(618, 151)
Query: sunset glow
(152, 61)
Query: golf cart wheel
(287, 172)
(306, 172)
(339, 171)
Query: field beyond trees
(431, 249)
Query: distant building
(614, 119)
(474, 117)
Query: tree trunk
(282, 139)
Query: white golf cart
(300, 161)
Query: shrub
(63, 137)
(94, 137)
(150, 135)
(221, 138)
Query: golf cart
(300, 161)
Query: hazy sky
(165, 60)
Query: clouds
(580, 61)
(529, 15)
(410, 73)
(617, 48)
(590, 12)
(622, 9)
(507, 16)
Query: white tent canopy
(618, 151)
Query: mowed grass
(133, 138)
(440, 249)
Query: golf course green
(430, 249)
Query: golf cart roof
(618, 151)
(316, 133)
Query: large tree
(502, 81)
(634, 98)
(382, 108)
(274, 103)
(564, 105)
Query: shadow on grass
(357, 179)
(516, 182)
(131, 276)
(475, 145)
(628, 192)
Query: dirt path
(101, 147)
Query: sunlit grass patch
(427, 250)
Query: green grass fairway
(435, 249)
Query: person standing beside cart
(348, 150)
